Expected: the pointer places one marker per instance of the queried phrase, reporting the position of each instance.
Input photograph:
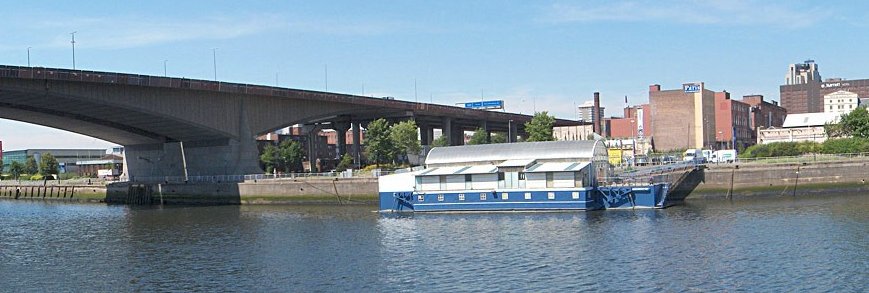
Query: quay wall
(283, 191)
(79, 193)
(747, 180)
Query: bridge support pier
(159, 162)
(341, 139)
(357, 145)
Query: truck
(697, 155)
(723, 156)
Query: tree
(441, 141)
(480, 137)
(498, 137)
(30, 166)
(852, 124)
(405, 138)
(540, 127)
(290, 155)
(15, 168)
(48, 164)
(269, 157)
(345, 163)
(378, 143)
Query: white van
(723, 156)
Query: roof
(810, 119)
(497, 153)
(557, 167)
(482, 169)
(517, 163)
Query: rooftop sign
(692, 87)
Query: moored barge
(529, 176)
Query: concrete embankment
(281, 191)
(79, 193)
(810, 178)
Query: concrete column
(341, 139)
(485, 126)
(426, 134)
(512, 131)
(357, 146)
(447, 130)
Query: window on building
(549, 182)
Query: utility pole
(28, 56)
(164, 67)
(73, 49)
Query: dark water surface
(795, 245)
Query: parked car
(641, 160)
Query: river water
(785, 244)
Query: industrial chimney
(595, 114)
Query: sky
(535, 55)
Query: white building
(841, 102)
(799, 127)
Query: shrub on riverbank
(831, 146)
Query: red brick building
(682, 118)
(732, 123)
(635, 123)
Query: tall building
(802, 73)
(586, 112)
(682, 118)
(807, 94)
(732, 123)
(841, 102)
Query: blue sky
(535, 55)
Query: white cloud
(736, 12)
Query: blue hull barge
(532, 176)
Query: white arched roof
(581, 150)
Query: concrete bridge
(178, 126)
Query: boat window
(440, 197)
(467, 177)
(500, 176)
(420, 197)
(575, 195)
(505, 195)
(528, 196)
(521, 175)
(461, 196)
(550, 195)
(482, 196)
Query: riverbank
(770, 180)
(75, 193)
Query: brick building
(804, 91)
(732, 123)
(682, 118)
(763, 114)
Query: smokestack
(595, 115)
(655, 88)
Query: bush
(845, 145)
(36, 177)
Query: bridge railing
(255, 177)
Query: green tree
(498, 137)
(345, 163)
(269, 157)
(16, 169)
(48, 164)
(405, 138)
(853, 124)
(378, 142)
(440, 141)
(540, 127)
(480, 137)
(290, 155)
(30, 166)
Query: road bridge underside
(169, 131)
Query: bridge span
(211, 126)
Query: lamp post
(73, 49)
(28, 56)
(164, 67)
(214, 60)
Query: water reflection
(794, 244)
